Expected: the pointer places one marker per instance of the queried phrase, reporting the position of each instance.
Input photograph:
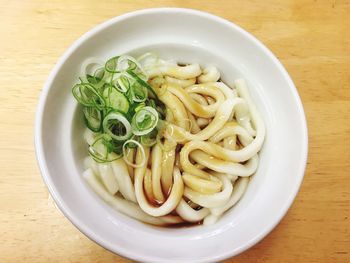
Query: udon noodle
(207, 148)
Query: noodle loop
(189, 148)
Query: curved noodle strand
(209, 74)
(177, 108)
(167, 169)
(124, 206)
(123, 178)
(189, 214)
(221, 166)
(181, 72)
(232, 129)
(205, 111)
(222, 116)
(174, 196)
(193, 162)
(180, 82)
(213, 200)
(147, 184)
(199, 98)
(256, 119)
(209, 185)
(156, 173)
(194, 125)
(238, 191)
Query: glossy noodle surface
(193, 162)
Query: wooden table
(311, 38)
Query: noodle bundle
(190, 161)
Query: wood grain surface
(311, 38)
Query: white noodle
(215, 132)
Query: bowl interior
(182, 54)
(200, 38)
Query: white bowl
(187, 36)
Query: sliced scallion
(126, 62)
(138, 145)
(144, 121)
(87, 95)
(143, 83)
(116, 125)
(93, 118)
(96, 77)
(139, 93)
(119, 106)
(111, 65)
(93, 69)
(102, 150)
(149, 139)
(115, 99)
(122, 83)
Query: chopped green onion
(119, 105)
(144, 121)
(139, 93)
(92, 70)
(149, 139)
(96, 77)
(115, 99)
(111, 65)
(93, 118)
(102, 150)
(127, 63)
(122, 84)
(143, 83)
(125, 147)
(152, 103)
(139, 106)
(86, 95)
(117, 126)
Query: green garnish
(102, 149)
(119, 106)
(93, 118)
(115, 99)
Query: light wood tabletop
(312, 40)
